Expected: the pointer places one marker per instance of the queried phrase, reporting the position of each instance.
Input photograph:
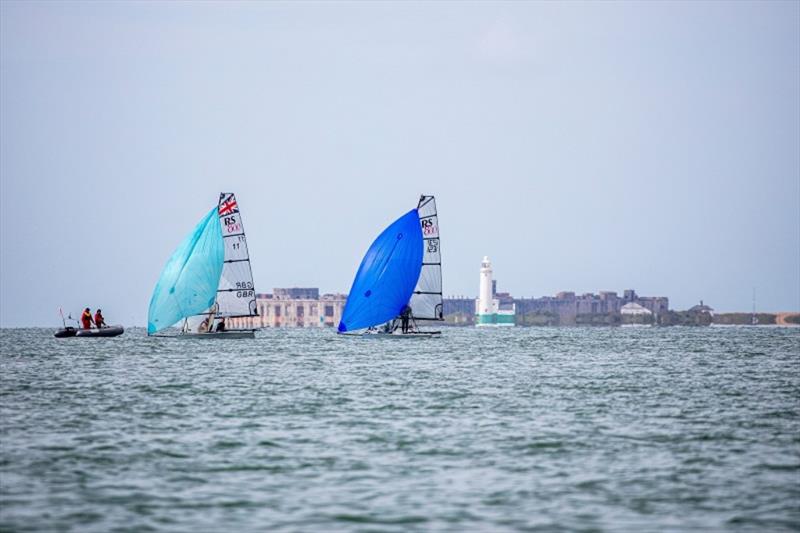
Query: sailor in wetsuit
(405, 317)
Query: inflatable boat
(107, 331)
(66, 331)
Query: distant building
(459, 311)
(564, 308)
(568, 306)
(297, 293)
(492, 309)
(634, 309)
(294, 308)
(701, 309)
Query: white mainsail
(426, 302)
(236, 295)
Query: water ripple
(643, 429)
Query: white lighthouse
(487, 308)
(485, 296)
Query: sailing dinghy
(398, 285)
(208, 279)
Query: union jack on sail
(227, 205)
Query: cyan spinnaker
(387, 276)
(188, 283)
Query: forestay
(426, 302)
(236, 294)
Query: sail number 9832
(244, 289)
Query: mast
(427, 301)
(236, 295)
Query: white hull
(230, 334)
(397, 335)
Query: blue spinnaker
(387, 275)
(188, 283)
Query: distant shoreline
(779, 319)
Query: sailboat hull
(382, 335)
(232, 334)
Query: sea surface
(519, 429)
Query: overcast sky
(585, 147)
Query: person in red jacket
(86, 318)
(99, 321)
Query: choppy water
(481, 430)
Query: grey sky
(584, 147)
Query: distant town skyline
(581, 146)
(306, 307)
